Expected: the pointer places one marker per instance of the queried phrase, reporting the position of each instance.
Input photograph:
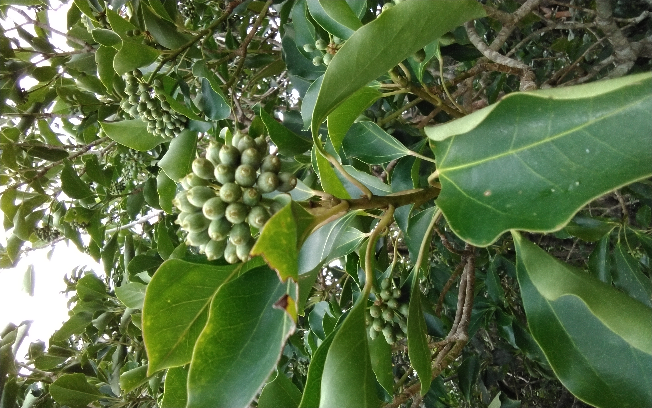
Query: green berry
(309, 47)
(373, 333)
(390, 338)
(214, 208)
(203, 168)
(404, 309)
(230, 254)
(388, 329)
(213, 152)
(385, 283)
(242, 251)
(317, 61)
(229, 156)
(403, 326)
(198, 238)
(236, 138)
(219, 229)
(375, 311)
(246, 142)
(337, 40)
(392, 303)
(396, 293)
(240, 233)
(327, 58)
(215, 249)
(388, 314)
(230, 192)
(195, 222)
(224, 174)
(385, 294)
(258, 216)
(287, 182)
(267, 182)
(198, 195)
(377, 325)
(251, 157)
(250, 196)
(271, 163)
(245, 175)
(236, 213)
(181, 202)
(320, 44)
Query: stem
(426, 241)
(384, 222)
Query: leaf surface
(532, 160)
(279, 393)
(341, 119)
(177, 162)
(597, 339)
(74, 391)
(132, 133)
(175, 394)
(369, 143)
(288, 142)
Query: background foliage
(498, 239)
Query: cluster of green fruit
(187, 9)
(46, 233)
(133, 165)
(388, 315)
(150, 105)
(327, 50)
(222, 198)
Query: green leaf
(28, 280)
(47, 153)
(213, 104)
(308, 102)
(167, 189)
(341, 119)
(129, 380)
(75, 325)
(381, 362)
(281, 238)
(131, 294)
(288, 142)
(381, 44)
(320, 244)
(131, 133)
(280, 393)
(335, 16)
(163, 31)
(628, 277)
(600, 262)
(467, 375)
(177, 162)
(418, 349)
(176, 309)
(597, 339)
(548, 154)
(107, 38)
(72, 185)
(132, 55)
(74, 391)
(330, 182)
(588, 228)
(369, 143)
(312, 390)
(175, 394)
(90, 288)
(348, 379)
(241, 343)
(135, 202)
(104, 59)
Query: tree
(333, 203)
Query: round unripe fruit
(219, 229)
(320, 44)
(388, 315)
(195, 222)
(373, 333)
(236, 138)
(230, 254)
(385, 283)
(374, 311)
(392, 303)
(267, 182)
(377, 325)
(182, 216)
(385, 294)
(236, 213)
(403, 326)
(386, 7)
(390, 338)
(224, 174)
(215, 249)
(213, 152)
(242, 251)
(214, 208)
(245, 175)
(198, 238)
(240, 234)
(258, 216)
(250, 196)
(230, 192)
(251, 157)
(271, 163)
(287, 182)
(327, 58)
(317, 61)
(182, 203)
(246, 142)
(198, 195)
(230, 156)
(262, 146)
(404, 309)
(396, 293)
(203, 168)
(337, 40)
(388, 330)
(309, 47)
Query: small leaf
(175, 394)
(279, 393)
(177, 162)
(171, 324)
(76, 325)
(330, 181)
(104, 59)
(213, 104)
(321, 243)
(467, 375)
(335, 16)
(133, 55)
(312, 390)
(74, 391)
(47, 153)
(28, 280)
(381, 362)
(575, 318)
(369, 143)
(132, 133)
(308, 103)
(348, 379)
(133, 378)
(107, 38)
(90, 288)
(163, 31)
(72, 185)
(288, 142)
(167, 189)
(131, 294)
(418, 349)
(250, 333)
(341, 119)
(588, 228)
(600, 262)
(628, 277)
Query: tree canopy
(332, 203)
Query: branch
(133, 224)
(624, 55)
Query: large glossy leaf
(175, 394)
(74, 391)
(381, 44)
(312, 390)
(177, 162)
(335, 16)
(133, 54)
(532, 160)
(348, 379)
(242, 341)
(341, 119)
(163, 31)
(280, 393)
(132, 133)
(176, 309)
(320, 244)
(369, 143)
(597, 339)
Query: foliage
(270, 186)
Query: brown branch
(624, 55)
